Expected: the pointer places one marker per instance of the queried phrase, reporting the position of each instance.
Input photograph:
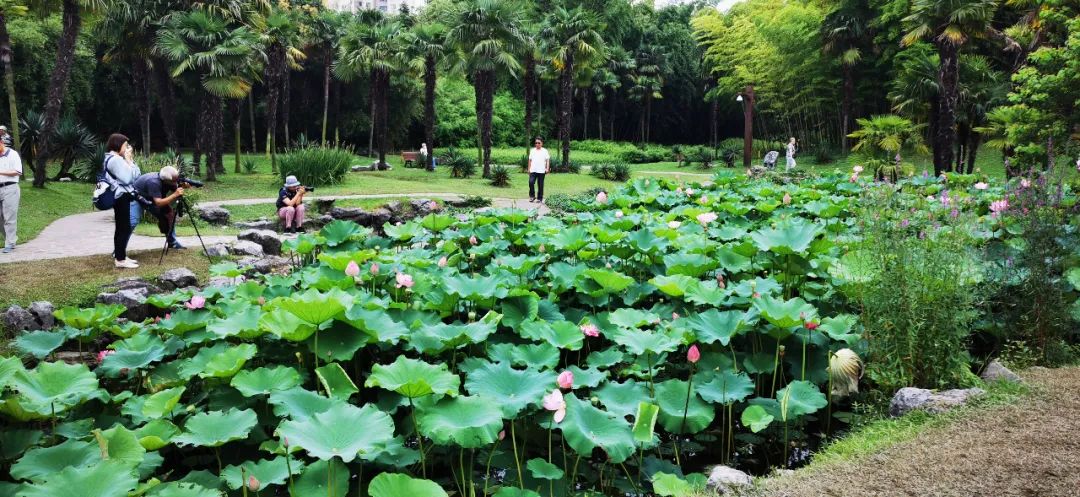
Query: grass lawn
(40, 206)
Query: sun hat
(291, 181)
(3, 128)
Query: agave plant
(72, 141)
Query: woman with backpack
(120, 172)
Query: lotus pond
(614, 351)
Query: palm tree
(948, 25)
(847, 35)
(223, 54)
(71, 21)
(650, 66)
(982, 88)
(486, 36)
(882, 138)
(571, 35)
(281, 38)
(10, 8)
(426, 44)
(530, 51)
(374, 49)
(327, 29)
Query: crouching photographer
(156, 194)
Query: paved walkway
(91, 233)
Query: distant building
(387, 6)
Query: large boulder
(17, 319)
(996, 371)
(214, 215)
(133, 299)
(246, 248)
(909, 399)
(725, 478)
(323, 205)
(218, 250)
(270, 241)
(424, 206)
(370, 219)
(178, 278)
(43, 313)
(258, 224)
(271, 264)
(134, 284)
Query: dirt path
(91, 233)
(1029, 449)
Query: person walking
(5, 136)
(121, 173)
(539, 166)
(290, 204)
(10, 172)
(791, 147)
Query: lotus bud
(253, 484)
(285, 442)
(590, 330)
(566, 380)
(472, 240)
(502, 435)
(542, 248)
(262, 300)
(601, 198)
(787, 198)
(190, 408)
(442, 261)
(674, 225)
(375, 268)
(608, 265)
(594, 400)
(756, 295)
(353, 269)
(704, 199)
(810, 325)
(472, 316)
(196, 302)
(674, 316)
(693, 355)
(618, 214)
(782, 349)
(720, 280)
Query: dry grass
(1029, 448)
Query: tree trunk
(381, 86)
(140, 72)
(274, 69)
(566, 107)
(200, 133)
(211, 136)
(328, 59)
(336, 96)
(585, 98)
(962, 134)
(430, 79)
(58, 82)
(845, 107)
(948, 81)
(530, 95)
(167, 106)
(286, 104)
(251, 121)
(974, 142)
(236, 107)
(713, 123)
(484, 82)
(9, 80)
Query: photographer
(157, 191)
(290, 205)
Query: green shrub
(701, 156)
(87, 169)
(824, 153)
(729, 156)
(474, 202)
(612, 172)
(759, 146)
(459, 165)
(500, 176)
(566, 202)
(646, 155)
(249, 166)
(573, 167)
(316, 165)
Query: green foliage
(612, 172)
(455, 104)
(316, 165)
(500, 176)
(883, 137)
(459, 164)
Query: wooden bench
(410, 158)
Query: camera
(190, 182)
(309, 189)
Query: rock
(43, 313)
(178, 278)
(214, 215)
(270, 241)
(372, 219)
(424, 206)
(378, 218)
(724, 478)
(996, 371)
(246, 248)
(258, 224)
(133, 299)
(266, 265)
(217, 250)
(323, 205)
(359, 169)
(17, 319)
(134, 284)
(909, 398)
(224, 281)
(347, 213)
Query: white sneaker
(129, 259)
(126, 264)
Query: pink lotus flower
(404, 281)
(706, 218)
(432, 205)
(997, 207)
(601, 198)
(353, 269)
(196, 302)
(693, 355)
(720, 281)
(375, 268)
(590, 330)
(674, 225)
(678, 190)
(566, 380)
(543, 248)
(674, 316)
(1024, 183)
(981, 186)
(262, 300)
(787, 198)
(554, 402)
(810, 325)
(472, 240)
(857, 169)
(103, 354)
(704, 199)
(502, 435)
(689, 192)
(442, 261)
(854, 177)
(253, 484)
(618, 214)
(756, 295)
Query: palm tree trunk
(948, 80)
(648, 116)
(430, 75)
(274, 69)
(236, 108)
(484, 82)
(328, 59)
(58, 82)
(9, 80)
(974, 142)
(336, 95)
(530, 95)
(200, 134)
(212, 120)
(382, 84)
(166, 105)
(286, 104)
(566, 107)
(251, 121)
(845, 107)
(140, 71)
(713, 124)
(586, 96)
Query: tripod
(182, 207)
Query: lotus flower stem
(686, 407)
(461, 467)
(288, 467)
(573, 479)
(551, 483)
(628, 478)
(487, 469)
(217, 455)
(805, 341)
(419, 439)
(652, 389)
(243, 481)
(775, 367)
(517, 459)
(330, 479)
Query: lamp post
(747, 99)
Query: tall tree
(847, 36)
(10, 8)
(281, 39)
(571, 35)
(377, 50)
(650, 67)
(328, 28)
(486, 36)
(71, 20)
(426, 44)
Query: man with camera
(290, 204)
(156, 193)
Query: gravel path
(91, 233)
(1028, 449)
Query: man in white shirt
(11, 170)
(539, 166)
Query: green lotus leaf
(513, 390)
(1073, 275)
(610, 281)
(632, 318)
(474, 288)
(799, 398)
(134, 353)
(314, 306)
(468, 422)
(537, 356)
(337, 343)
(229, 362)
(183, 321)
(856, 266)
(544, 470)
(284, 324)
(89, 318)
(790, 236)
(640, 342)
(564, 276)
(560, 334)
(54, 386)
(242, 323)
(437, 222)
(178, 489)
(121, 444)
(605, 358)
(227, 269)
(692, 265)
(40, 344)
(298, 403)
(587, 378)
(336, 381)
(757, 418)
(13, 442)
(339, 232)
(517, 309)
(515, 492)
(338, 261)
(216, 428)
(398, 485)
(269, 472)
(839, 328)
(669, 485)
(726, 387)
(403, 232)
(264, 381)
(39, 464)
(717, 326)
(156, 434)
(570, 239)
(105, 479)
(377, 324)
(439, 337)
(622, 399)
(671, 395)
(394, 454)
(675, 285)
(645, 241)
(785, 313)
(645, 422)
(162, 403)
(8, 367)
(413, 378)
(336, 431)
(329, 478)
(586, 428)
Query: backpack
(104, 196)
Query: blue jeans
(136, 216)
